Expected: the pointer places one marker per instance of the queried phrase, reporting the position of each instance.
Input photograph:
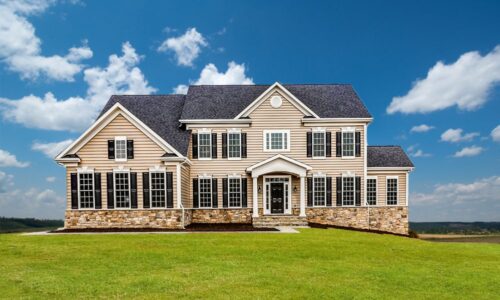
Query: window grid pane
(205, 192)
(86, 190)
(234, 145)
(276, 140)
(204, 145)
(122, 191)
(157, 189)
(371, 190)
(347, 190)
(347, 143)
(319, 190)
(318, 144)
(234, 192)
(120, 149)
(392, 191)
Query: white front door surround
(286, 180)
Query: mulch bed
(323, 226)
(196, 227)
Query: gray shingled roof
(161, 113)
(227, 101)
(388, 156)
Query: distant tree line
(22, 224)
(456, 227)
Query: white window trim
(347, 130)
(209, 132)
(229, 194)
(151, 171)
(282, 131)
(376, 190)
(85, 170)
(353, 176)
(387, 190)
(319, 175)
(211, 192)
(233, 131)
(122, 170)
(121, 138)
(318, 130)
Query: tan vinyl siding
(186, 184)
(382, 186)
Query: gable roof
(228, 101)
(388, 156)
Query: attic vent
(276, 101)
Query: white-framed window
(348, 142)
(158, 187)
(348, 191)
(234, 191)
(234, 145)
(86, 192)
(319, 144)
(204, 145)
(122, 189)
(121, 148)
(392, 190)
(205, 191)
(319, 191)
(276, 140)
(371, 190)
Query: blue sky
(437, 63)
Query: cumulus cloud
(51, 149)
(20, 48)
(415, 152)
(186, 47)
(5, 181)
(121, 76)
(456, 135)
(466, 83)
(421, 128)
(9, 160)
(469, 151)
(235, 74)
(32, 202)
(495, 134)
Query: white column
(255, 198)
(302, 196)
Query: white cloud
(32, 202)
(5, 181)
(51, 149)
(421, 128)
(469, 151)
(187, 47)
(455, 135)
(50, 179)
(235, 74)
(10, 160)
(465, 83)
(20, 48)
(414, 152)
(495, 134)
(121, 76)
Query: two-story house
(265, 155)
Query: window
(348, 195)
(120, 148)
(348, 143)
(86, 190)
(205, 192)
(276, 140)
(122, 190)
(234, 192)
(234, 145)
(318, 143)
(371, 191)
(319, 191)
(204, 145)
(392, 191)
(157, 189)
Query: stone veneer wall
(389, 219)
(242, 215)
(133, 218)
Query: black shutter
(224, 192)
(111, 149)
(195, 192)
(74, 191)
(170, 190)
(145, 190)
(358, 190)
(328, 144)
(338, 144)
(130, 149)
(309, 191)
(133, 190)
(224, 145)
(194, 146)
(243, 192)
(214, 193)
(309, 144)
(97, 191)
(243, 145)
(339, 191)
(358, 143)
(214, 145)
(111, 195)
(328, 191)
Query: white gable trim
(279, 156)
(104, 120)
(295, 102)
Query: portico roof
(279, 164)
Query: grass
(316, 263)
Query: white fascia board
(337, 120)
(408, 169)
(215, 121)
(279, 156)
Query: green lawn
(316, 263)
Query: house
(265, 155)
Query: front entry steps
(279, 220)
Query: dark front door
(277, 198)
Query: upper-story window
(234, 144)
(204, 145)
(347, 143)
(318, 143)
(120, 148)
(276, 140)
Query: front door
(277, 198)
